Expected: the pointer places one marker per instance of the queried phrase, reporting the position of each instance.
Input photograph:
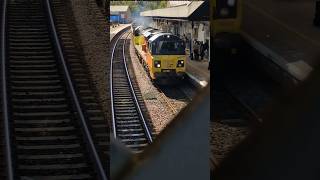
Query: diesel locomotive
(162, 54)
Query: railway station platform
(197, 70)
(283, 31)
(115, 30)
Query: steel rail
(146, 129)
(4, 98)
(90, 144)
(111, 89)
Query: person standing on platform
(190, 48)
(205, 48)
(202, 49)
(187, 43)
(196, 50)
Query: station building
(120, 14)
(188, 19)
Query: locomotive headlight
(180, 63)
(157, 64)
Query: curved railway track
(129, 124)
(46, 131)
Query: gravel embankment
(94, 34)
(224, 138)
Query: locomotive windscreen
(168, 48)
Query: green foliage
(138, 6)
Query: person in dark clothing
(201, 50)
(205, 46)
(190, 49)
(316, 20)
(185, 38)
(188, 44)
(196, 50)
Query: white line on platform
(299, 69)
(196, 81)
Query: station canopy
(194, 11)
(115, 10)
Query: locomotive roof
(156, 32)
(143, 28)
(146, 34)
(138, 28)
(149, 32)
(162, 36)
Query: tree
(138, 6)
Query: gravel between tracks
(94, 33)
(160, 114)
(224, 138)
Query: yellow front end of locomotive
(167, 66)
(139, 40)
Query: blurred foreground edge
(287, 146)
(181, 150)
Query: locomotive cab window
(169, 48)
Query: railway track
(45, 125)
(129, 124)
